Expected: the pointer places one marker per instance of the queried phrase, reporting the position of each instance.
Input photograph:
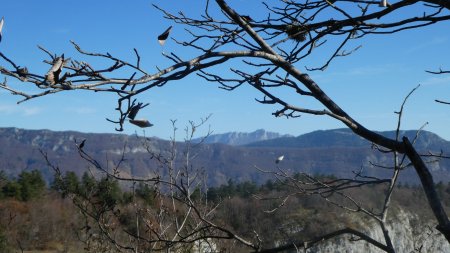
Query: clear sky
(370, 84)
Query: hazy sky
(370, 84)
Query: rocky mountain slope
(239, 138)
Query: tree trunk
(428, 186)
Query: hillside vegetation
(35, 217)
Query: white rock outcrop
(408, 232)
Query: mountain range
(239, 138)
(336, 152)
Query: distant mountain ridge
(345, 137)
(337, 152)
(240, 138)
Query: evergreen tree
(71, 182)
(146, 193)
(88, 185)
(3, 182)
(12, 189)
(32, 185)
(108, 192)
(213, 194)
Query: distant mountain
(238, 138)
(21, 150)
(346, 138)
(338, 152)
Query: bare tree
(270, 48)
(180, 217)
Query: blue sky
(370, 84)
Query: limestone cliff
(409, 233)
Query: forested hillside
(37, 218)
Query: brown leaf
(141, 122)
(246, 18)
(163, 36)
(22, 72)
(297, 32)
(52, 76)
(134, 110)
